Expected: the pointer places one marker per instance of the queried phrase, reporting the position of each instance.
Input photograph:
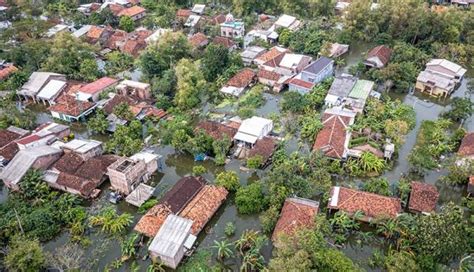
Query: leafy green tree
(250, 199)
(67, 55)
(214, 61)
(12, 116)
(310, 125)
(461, 109)
(123, 111)
(126, 23)
(88, 70)
(293, 102)
(369, 163)
(190, 85)
(269, 218)
(126, 140)
(459, 173)
(157, 58)
(118, 62)
(255, 162)
(198, 170)
(166, 84)
(221, 148)
(451, 243)
(379, 186)
(98, 123)
(229, 180)
(24, 254)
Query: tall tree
(190, 84)
(24, 254)
(214, 61)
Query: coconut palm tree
(252, 261)
(110, 221)
(246, 241)
(223, 249)
(388, 228)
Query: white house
(51, 91)
(232, 28)
(36, 82)
(253, 129)
(446, 69)
(155, 37)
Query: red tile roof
(203, 206)
(151, 222)
(219, 19)
(467, 145)
(216, 130)
(84, 186)
(263, 147)
(423, 197)
(115, 38)
(296, 213)
(68, 163)
(95, 32)
(7, 70)
(131, 11)
(98, 85)
(28, 139)
(373, 206)
(301, 83)
(115, 8)
(95, 168)
(269, 75)
(198, 39)
(226, 42)
(67, 104)
(331, 139)
(115, 101)
(242, 79)
(271, 54)
(9, 151)
(382, 52)
(7, 137)
(183, 13)
(183, 192)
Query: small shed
(141, 194)
(168, 244)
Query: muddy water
(105, 250)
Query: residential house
(463, 3)
(226, 42)
(218, 19)
(8, 145)
(169, 244)
(446, 69)
(36, 83)
(82, 32)
(340, 89)
(378, 57)
(217, 130)
(198, 9)
(50, 92)
(85, 149)
(239, 83)
(203, 206)
(98, 35)
(434, 84)
(272, 79)
(70, 109)
(134, 12)
(287, 64)
(194, 22)
(182, 15)
(173, 202)
(92, 91)
(156, 36)
(59, 28)
(138, 90)
(264, 148)
(38, 157)
(253, 129)
(274, 53)
(251, 53)
(43, 135)
(88, 9)
(152, 162)
(6, 69)
(311, 75)
(336, 50)
(297, 213)
(72, 174)
(423, 197)
(333, 140)
(198, 40)
(359, 94)
(232, 28)
(466, 149)
(140, 195)
(371, 206)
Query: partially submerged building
(423, 197)
(239, 83)
(253, 129)
(378, 57)
(217, 130)
(297, 213)
(440, 77)
(36, 82)
(92, 91)
(311, 75)
(371, 206)
(466, 149)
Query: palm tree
(252, 261)
(110, 221)
(129, 246)
(389, 228)
(223, 249)
(246, 241)
(156, 267)
(371, 163)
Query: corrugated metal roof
(362, 89)
(171, 236)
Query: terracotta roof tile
(198, 39)
(115, 8)
(296, 213)
(98, 85)
(242, 79)
(7, 137)
(301, 83)
(9, 151)
(68, 104)
(152, 221)
(183, 13)
(84, 186)
(218, 19)
(467, 145)
(382, 52)
(115, 101)
(226, 42)
(271, 54)
(263, 147)
(373, 206)
(95, 168)
(423, 197)
(131, 11)
(269, 75)
(7, 70)
(95, 32)
(183, 192)
(331, 139)
(68, 163)
(203, 206)
(216, 130)
(117, 37)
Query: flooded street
(105, 250)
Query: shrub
(379, 186)
(229, 180)
(255, 162)
(250, 199)
(199, 170)
(229, 229)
